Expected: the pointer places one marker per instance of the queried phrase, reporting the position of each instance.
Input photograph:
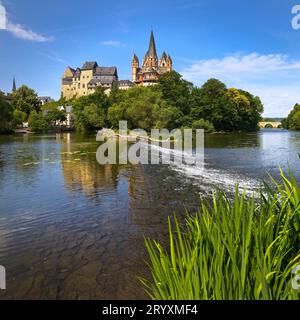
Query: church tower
(169, 64)
(135, 67)
(14, 87)
(151, 55)
(151, 68)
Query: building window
(83, 85)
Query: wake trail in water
(205, 177)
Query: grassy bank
(240, 249)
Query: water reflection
(73, 229)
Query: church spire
(152, 47)
(14, 87)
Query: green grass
(240, 249)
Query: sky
(250, 45)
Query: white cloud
(275, 78)
(112, 43)
(2, 17)
(18, 30)
(278, 100)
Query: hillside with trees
(172, 103)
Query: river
(73, 229)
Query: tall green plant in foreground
(241, 249)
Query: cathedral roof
(110, 71)
(152, 48)
(164, 55)
(135, 58)
(89, 65)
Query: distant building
(83, 81)
(125, 84)
(69, 123)
(44, 100)
(151, 68)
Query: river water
(73, 229)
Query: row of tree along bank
(292, 122)
(173, 103)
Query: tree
(175, 90)
(6, 115)
(227, 109)
(25, 100)
(250, 114)
(212, 102)
(95, 116)
(55, 115)
(292, 122)
(18, 118)
(203, 124)
(37, 122)
(90, 111)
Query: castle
(83, 81)
(151, 68)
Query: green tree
(213, 103)
(203, 124)
(6, 115)
(54, 115)
(143, 107)
(25, 100)
(18, 118)
(37, 122)
(292, 121)
(95, 116)
(227, 109)
(90, 111)
(176, 91)
(250, 114)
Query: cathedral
(151, 68)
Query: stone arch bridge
(273, 124)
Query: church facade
(152, 67)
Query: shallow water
(73, 229)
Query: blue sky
(246, 44)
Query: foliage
(37, 122)
(6, 115)
(175, 103)
(90, 111)
(227, 109)
(203, 124)
(176, 91)
(25, 100)
(241, 250)
(292, 122)
(172, 103)
(54, 115)
(18, 117)
(142, 108)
